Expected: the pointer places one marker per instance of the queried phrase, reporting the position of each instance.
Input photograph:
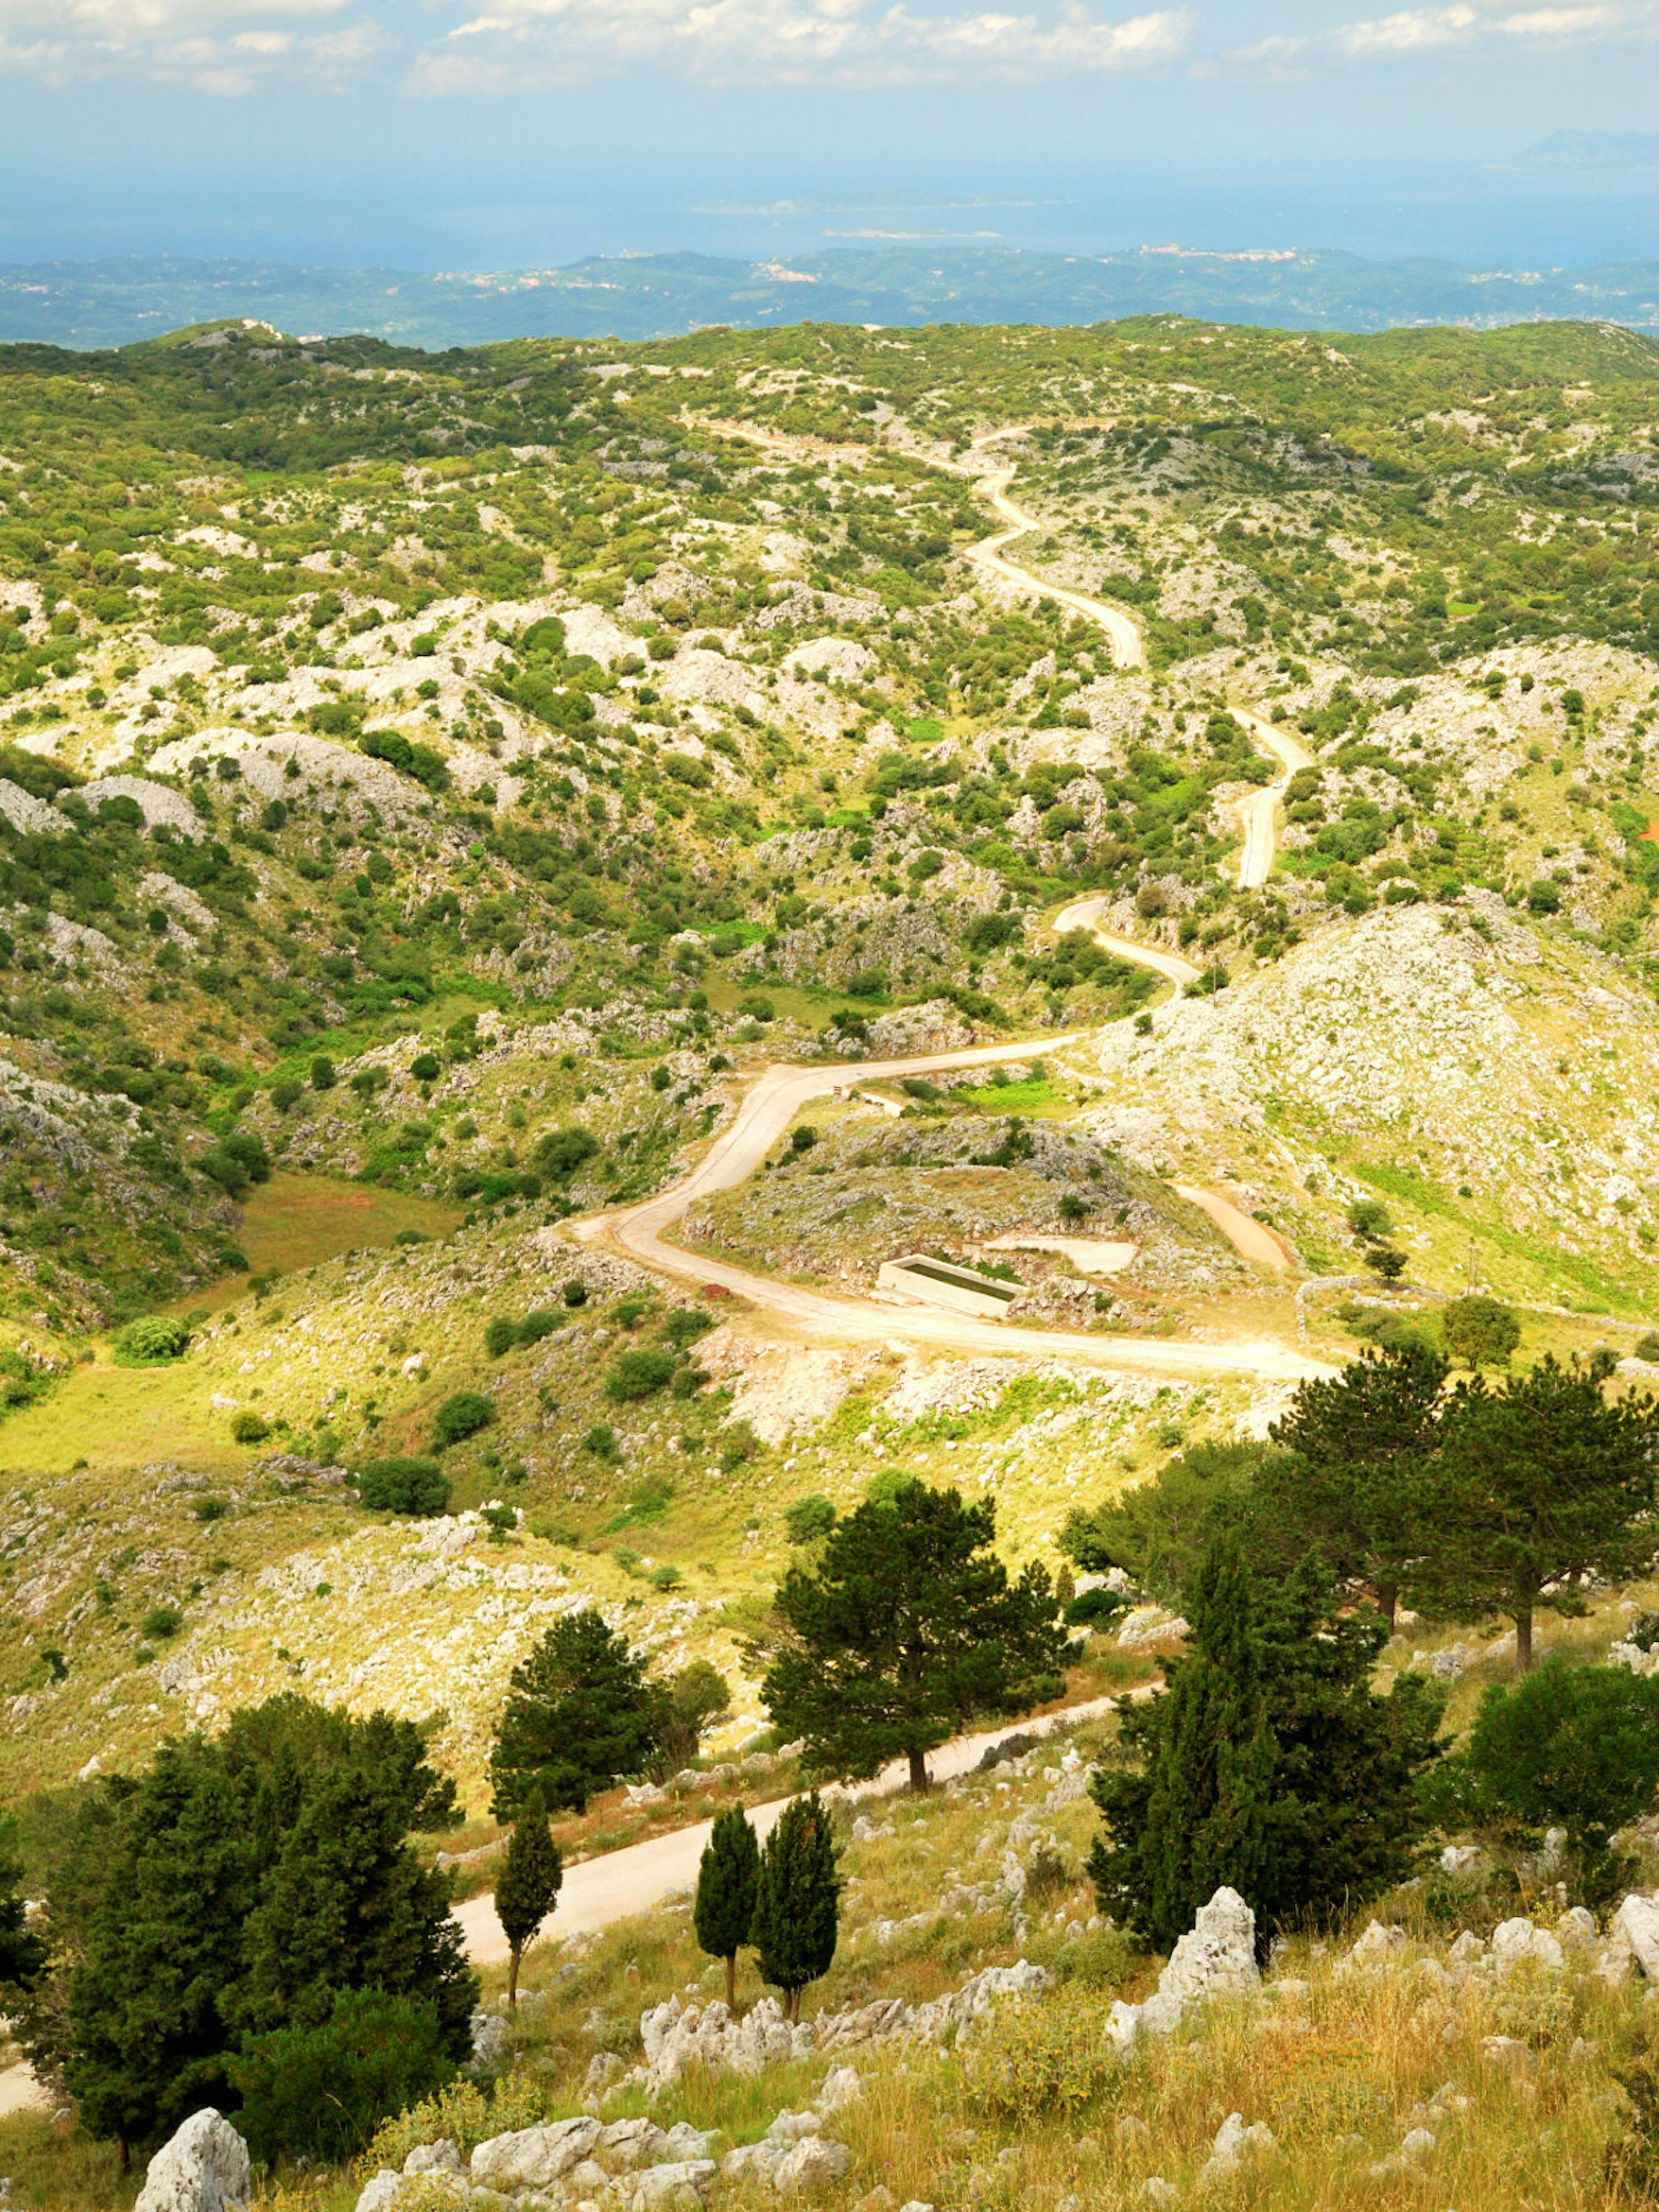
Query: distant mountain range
(107, 303)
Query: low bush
(248, 1427)
(321, 2092)
(1043, 2060)
(404, 1485)
(639, 1374)
(461, 2113)
(462, 1414)
(150, 1341)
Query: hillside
(434, 785)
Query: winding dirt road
(777, 1094)
(1258, 813)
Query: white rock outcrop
(1518, 1943)
(531, 2158)
(203, 2167)
(1636, 1921)
(1215, 1956)
(675, 2036)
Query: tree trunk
(731, 1981)
(124, 2157)
(794, 2008)
(513, 1958)
(1388, 1599)
(1523, 1641)
(918, 1772)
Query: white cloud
(788, 40)
(1415, 30)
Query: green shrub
(575, 1293)
(1048, 2059)
(323, 1073)
(538, 1323)
(1479, 1331)
(285, 1094)
(160, 1622)
(150, 1341)
(808, 1518)
(462, 1414)
(424, 1067)
(1095, 1608)
(501, 1335)
(321, 2092)
(639, 1374)
(601, 1442)
(404, 1485)
(463, 2114)
(248, 1427)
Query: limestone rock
(814, 2163)
(1636, 1921)
(1235, 2143)
(634, 2143)
(1518, 1943)
(682, 2181)
(443, 2156)
(1218, 1953)
(843, 2086)
(531, 2158)
(379, 2191)
(1376, 1946)
(201, 2168)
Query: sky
(489, 134)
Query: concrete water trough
(942, 1282)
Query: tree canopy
(909, 1626)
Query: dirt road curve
(601, 1890)
(770, 1104)
(1084, 914)
(987, 556)
(1258, 813)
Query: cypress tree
(796, 1901)
(723, 1913)
(1194, 1817)
(531, 1876)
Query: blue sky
(492, 133)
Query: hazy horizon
(502, 134)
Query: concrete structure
(941, 1283)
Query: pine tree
(796, 1901)
(1537, 1486)
(579, 1716)
(237, 1886)
(908, 1627)
(723, 1912)
(1357, 1442)
(528, 1886)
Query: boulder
(379, 2190)
(440, 2157)
(843, 2086)
(1636, 1921)
(531, 2158)
(1518, 1943)
(815, 2163)
(791, 2128)
(203, 2167)
(1506, 2051)
(1376, 1946)
(1234, 2144)
(634, 2143)
(682, 2181)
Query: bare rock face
(201, 2168)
